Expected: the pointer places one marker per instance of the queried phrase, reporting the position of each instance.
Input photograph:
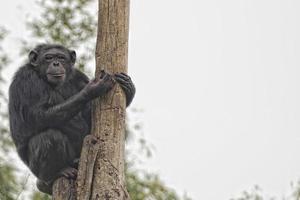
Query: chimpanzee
(49, 111)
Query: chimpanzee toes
(69, 172)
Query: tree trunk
(101, 169)
(64, 189)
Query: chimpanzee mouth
(57, 75)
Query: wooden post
(101, 169)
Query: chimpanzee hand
(99, 86)
(127, 85)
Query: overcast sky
(219, 85)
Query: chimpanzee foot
(44, 187)
(69, 172)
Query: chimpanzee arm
(86, 114)
(58, 114)
(61, 113)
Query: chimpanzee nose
(56, 63)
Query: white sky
(218, 83)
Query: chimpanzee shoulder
(27, 79)
(79, 78)
(26, 89)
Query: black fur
(48, 123)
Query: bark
(101, 169)
(64, 189)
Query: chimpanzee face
(54, 64)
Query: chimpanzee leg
(49, 153)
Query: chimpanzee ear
(33, 55)
(73, 56)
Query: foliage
(257, 194)
(8, 182)
(66, 22)
(295, 191)
(5, 141)
(142, 185)
(254, 194)
(40, 196)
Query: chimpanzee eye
(49, 57)
(61, 58)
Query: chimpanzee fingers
(128, 87)
(126, 75)
(104, 77)
(124, 79)
(128, 83)
(125, 85)
(66, 174)
(123, 76)
(74, 173)
(108, 80)
(108, 84)
(102, 74)
(121, 81)
(69, 173)
(129, 91)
